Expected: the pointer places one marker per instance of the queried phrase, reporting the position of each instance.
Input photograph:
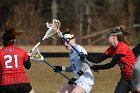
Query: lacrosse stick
(49, 33)
(37, 56)
(61, 35)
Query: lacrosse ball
(37, 56)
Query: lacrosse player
(121, 54)
(12, 62)
(83, 79)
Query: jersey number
(9, 59)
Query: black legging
(123, 86)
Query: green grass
(44, 80)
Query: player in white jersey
(83, 78)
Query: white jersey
(76, 63)
(86, 80)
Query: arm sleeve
(99, 59)
(27, 64)
(113, 62)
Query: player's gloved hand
(82, 56)
(57, 69)
(72, 81)
(95, 68)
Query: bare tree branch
(95, 34)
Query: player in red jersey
(121, 54)
(12, 62)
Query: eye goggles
(108, 34)
(69, 37)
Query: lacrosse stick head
(53, 28)
(37, 55)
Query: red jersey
(11, 65)
(127, 62)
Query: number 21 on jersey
(9, 59)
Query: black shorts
(16, 88)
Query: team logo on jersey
(10, 49)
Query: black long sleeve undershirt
(97, 59)
(113, 62)
(27, 64)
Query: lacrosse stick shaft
(58, 72)
(36, 46)
(45, 36)
(71, 45)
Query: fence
(64, 54)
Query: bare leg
(66, 89)
(32, 91)
(138, 90)
(78, 89)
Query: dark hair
(67, 31)
(121, 33)
(9, 35)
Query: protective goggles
(68, 36)
(108, 34)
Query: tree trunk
(88, 20)
(54, 15)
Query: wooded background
(88, 19)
